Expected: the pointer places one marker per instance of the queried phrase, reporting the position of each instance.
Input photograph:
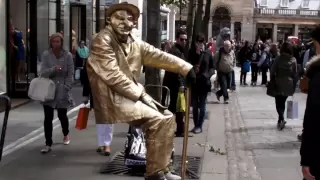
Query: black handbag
(272, 88)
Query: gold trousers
(159, 131)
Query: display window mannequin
(19, 53)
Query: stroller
(5, 105)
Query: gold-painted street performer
(114, 65)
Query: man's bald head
(227, 45)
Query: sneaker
(66, 140)
(197, 131)
(46, 150)
(226, 101)
(170, 176)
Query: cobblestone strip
(240, 160)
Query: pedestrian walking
(104, 131)
(175, 82)
(224, 60)
(57, 64)
(254, 64)
(201, 58)
(284, 72)
(264, 63)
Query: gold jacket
(113, 68)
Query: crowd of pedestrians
(285, 64)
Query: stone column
(275, 33)
(296, 30)
(232, 30)
(171, 31)
(210, 29)
(254, 31)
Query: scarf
(83, 52)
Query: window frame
(282, 4)
(265, 4)
(305, 6)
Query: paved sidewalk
(29, 118)
(79, 161)
(256, 149)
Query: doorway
(22, 45)
(78, 24)
(220, 19)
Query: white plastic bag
(292, 109)
(42, 89)
(77, 74)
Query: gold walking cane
(185, 138)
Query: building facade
(25, 31)
(234, 14)
(277, 20)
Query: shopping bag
(42, 89)
(77, 74)
(246, 66)
(181, 102)
(82, 119)
(135, 149)
(304, 84)
(292, 109)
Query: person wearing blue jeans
(199, 107)
(202, 60)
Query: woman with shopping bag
(283, 75)
(104, 131)
(57, 65)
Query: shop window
(284, 3)
(305, 4)
(52, 17)
(263, 2)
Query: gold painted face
(122, 22)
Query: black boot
(157, 176)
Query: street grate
(116, 166)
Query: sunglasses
(182, 39)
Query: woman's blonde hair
(54, 36)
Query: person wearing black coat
(104, 131)
(175, 82)
(310, 142)
(201, 58)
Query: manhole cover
(116, 167)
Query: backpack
(267, 61)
